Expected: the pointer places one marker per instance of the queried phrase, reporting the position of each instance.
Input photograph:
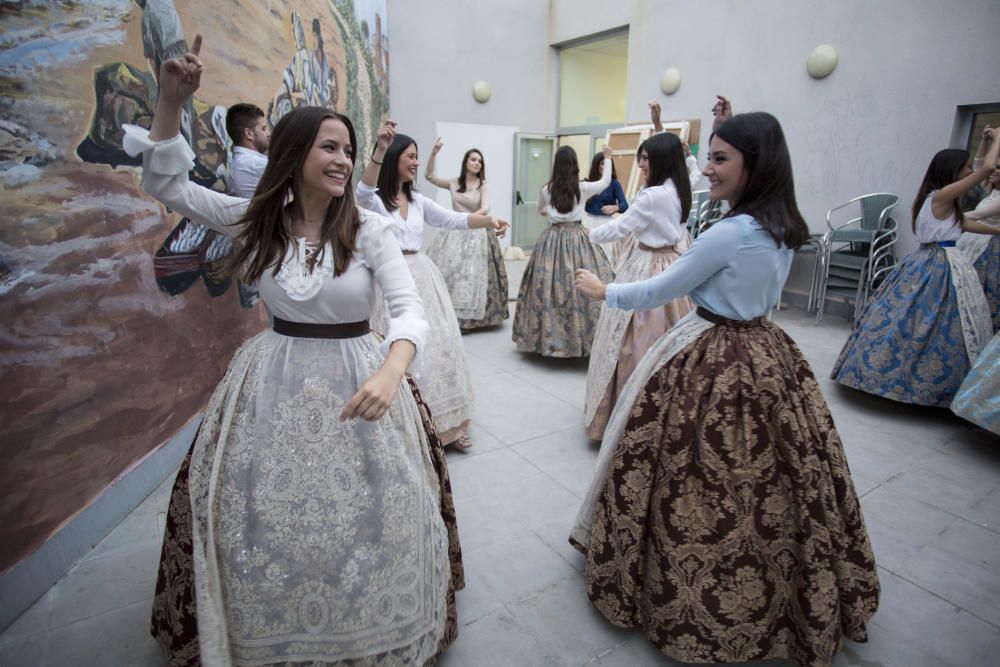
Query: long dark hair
(564, 186)
(769, 195)
(388, 175)
(595, 169)
(266, 237)
(465, 169)
(665, 160)
(945, 168)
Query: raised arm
(709, 254)
(386, 133)
(635, 219)
(429, 169)
(654, 116)
(590, 188)
(167, 158)
(721, 112)
(943, 202)
(984, 141)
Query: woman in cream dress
(471, 263)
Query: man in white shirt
(248, 128)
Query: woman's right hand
(590, 285)
(386, 133)
(181, 77)
(437, 146)
(608, 152)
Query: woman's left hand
(590, 285)
(609, 209)
(374, 397)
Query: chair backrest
(875, 209)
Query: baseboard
(27, 581)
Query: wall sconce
(822, 61)
(481, 91)
(670, 81)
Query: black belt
(311, 330)
(706, 314)
(411, 252)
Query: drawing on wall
(112, 326)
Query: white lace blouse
(295, 293)
(410, 230)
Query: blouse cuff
(611, 295)
(413, 329)
(167, 157)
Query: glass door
(533, 154)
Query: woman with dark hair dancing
(921, 332)
(386, 187)
(657, 221)
(551, 318)
(312, 520)
(722, 518)
(983, 250)
(600, 208)
(471, 264)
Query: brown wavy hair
(564, 186)
(266, 236)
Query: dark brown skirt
(728, 528)
(174, 622)
(497, 291)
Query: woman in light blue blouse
(722, 518)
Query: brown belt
(706, 314)
(411, 252)
(666, 248)
(311, 330)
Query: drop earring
(289, 194)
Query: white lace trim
(973, 245)
(683, 334)
(973, 310)
(294, 276)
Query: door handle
(517, 198)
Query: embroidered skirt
(983, 250)
(471, 264)
(552, 318)
(978, 399)
(292, 536)
(917, 337)
(624, 336)
(446, 383)
(722, 519)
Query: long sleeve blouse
(410, 230)
(654, 218)
(296, 293)
(613, 194)
(733, 269)
(587, 190)
(469, 201)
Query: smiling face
(408, 163)
(725, 171)
(328, 165)
(474, 164)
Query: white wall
(873, 125)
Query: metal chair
(850, 253)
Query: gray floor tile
(518, 565)
(566, 625)
(498, 640)
(105, 584)
(986, 513)
(514, 410)
(563, 378)
(567, 456)
(137, 531)
(900, 526)
(24, 651)
(119, 637)
(947, 481)
(35, 621)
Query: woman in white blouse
(472, 264)
(386, 188)
(552, 319)
(656, 219)
(316, 470)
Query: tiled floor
(931, 496)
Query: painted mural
(116, 319)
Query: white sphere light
(481, 91)
(822, 61)
(670, 81)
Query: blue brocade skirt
(908, 343)
(978, 399)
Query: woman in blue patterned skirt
(922, 331)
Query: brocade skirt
(978, 399)
(722, 519)
(292, 536)
(552, 318)
(916, 338)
